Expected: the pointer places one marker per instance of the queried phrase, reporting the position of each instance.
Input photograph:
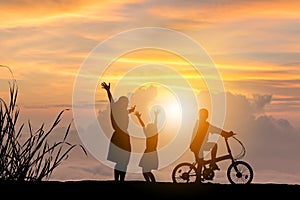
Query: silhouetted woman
(149, 160)
(120, 147)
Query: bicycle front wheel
(184, 173)
(240, 172)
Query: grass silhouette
(28, 157)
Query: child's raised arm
(139, 116)
(156, 112)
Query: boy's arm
(214, 129)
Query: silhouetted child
(200, 142)
(149, 160)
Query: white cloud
(272, 147)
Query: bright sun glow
(172, 107)
(170, 122)
(153, 96)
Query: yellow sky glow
(49, 40)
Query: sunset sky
(255, 46)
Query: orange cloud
(196, 14)
(28, 13)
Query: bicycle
(238, 172)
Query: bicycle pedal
(215, 167)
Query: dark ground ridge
(143, 190)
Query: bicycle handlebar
(243, 151)
(231, 135)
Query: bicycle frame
(238, 171)
(224, 157)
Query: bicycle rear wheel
(240, 172)
(184, 173)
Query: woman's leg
(122, 176)
(116, 174)
(120, 172)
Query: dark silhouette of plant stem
(33, 159)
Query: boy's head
(203, 114)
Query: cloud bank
(272, 146)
